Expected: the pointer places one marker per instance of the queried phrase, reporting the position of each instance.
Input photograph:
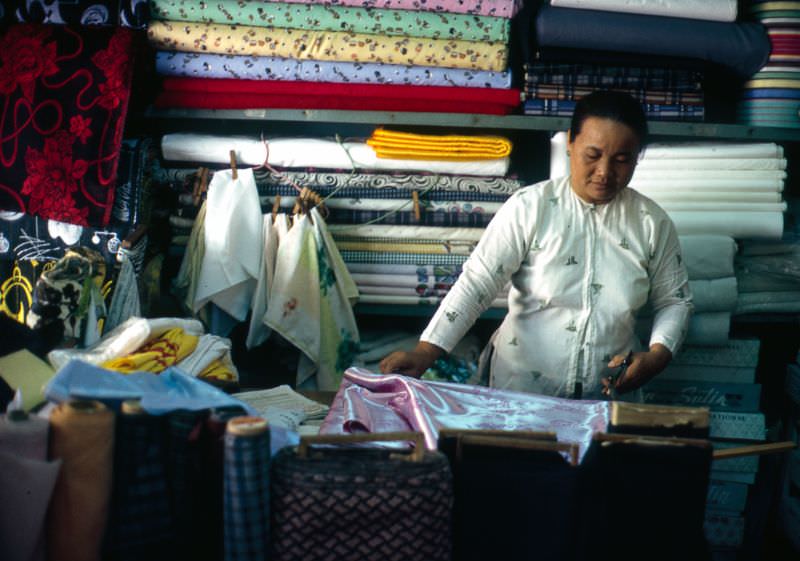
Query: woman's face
(602, 159)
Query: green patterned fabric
(406, 23)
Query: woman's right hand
(413, 363)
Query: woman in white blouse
(583, 255)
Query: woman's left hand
(643, 367)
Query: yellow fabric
(772, 83)
(217, 371)
(326, 45)
(409, 146)
(157, 355)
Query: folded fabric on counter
(402, 183)
(741, 47)
(63, 116)
(321, 17)
(411, 146)
(717, 10)
(376, 403)
(127, 13)
(241, 67)
(238, 94)
(326, 45)
(498, 8)
(308, 152)
(714, 295)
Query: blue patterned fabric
(390, 258)
(246, 497)
(407, 218)
(387, 192)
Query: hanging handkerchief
(259, 332)
(233, 244)
(310, 303)
(64, 94)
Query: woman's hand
(643, 368)
(413, 363)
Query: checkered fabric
(246, 497)
(391, 258)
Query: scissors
(612, 379)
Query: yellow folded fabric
(157, 355)
(410, 146)
(217, 371)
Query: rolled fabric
(246, 489)
(308, 152)
(498, 8)
(403, 280)
(82, 436)
(707, 174)
(420, 291)
(689, 165)
(405, 232)
(741, 47)
(692, 184)
(712, 195)
(720, 206)
(319, 17)
(410, 146)
(397, 258)
(714, 295)
(25, 487)
(768, 302)
(391, 270)
(326, 45)
(464, 207)
(729, 223)
(434, 248)
(708, 256)
(711, 10)
(242, 67)
(708, 328)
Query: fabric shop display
(126, 13)
(321, 17)
(61, 161)
(326, 45)
(196, 65)
(741, 47)
(243, 94)
(715, 10)
(82, 436)
(309, 152)
(383, 507)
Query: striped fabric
(392, 258)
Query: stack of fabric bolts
(397, 55)
(654, 52)
(772, 95)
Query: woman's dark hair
(617, 106)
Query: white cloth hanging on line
(259, 331)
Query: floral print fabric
(326, 45)
(319, 17)
(499, 8)
(127, 13)
(64, 93)
(194, 65)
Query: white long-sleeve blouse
(579, 274)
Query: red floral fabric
(63, 97)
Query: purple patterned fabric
(368, 402)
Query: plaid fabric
(596, 75)
(573, 92)
(561, 108)
(388, 258)
(387, 192)
(246, 497)
(427, 218)
(140, 521)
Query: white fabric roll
(309, 152)
(714, 295)
(710, 10)
(701, 186)
(717, 164)
(701, 175)
(715, 195)
(721, 206)
(708, 256)
(713, 150)
(667, 182)
(709, 328)
(406, 232)
(768, 302)
(397, 204)
(733, 224)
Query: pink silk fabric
(368, 402)
(496, 8)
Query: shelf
(416, 311)
(716, 131)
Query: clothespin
(131, 239)
(417, 213)
(233, 164)
(203, 187)
(276, 205)
(196, 186)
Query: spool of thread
(140, 521)
(26, 484)
(246, 489)
(82, 436)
